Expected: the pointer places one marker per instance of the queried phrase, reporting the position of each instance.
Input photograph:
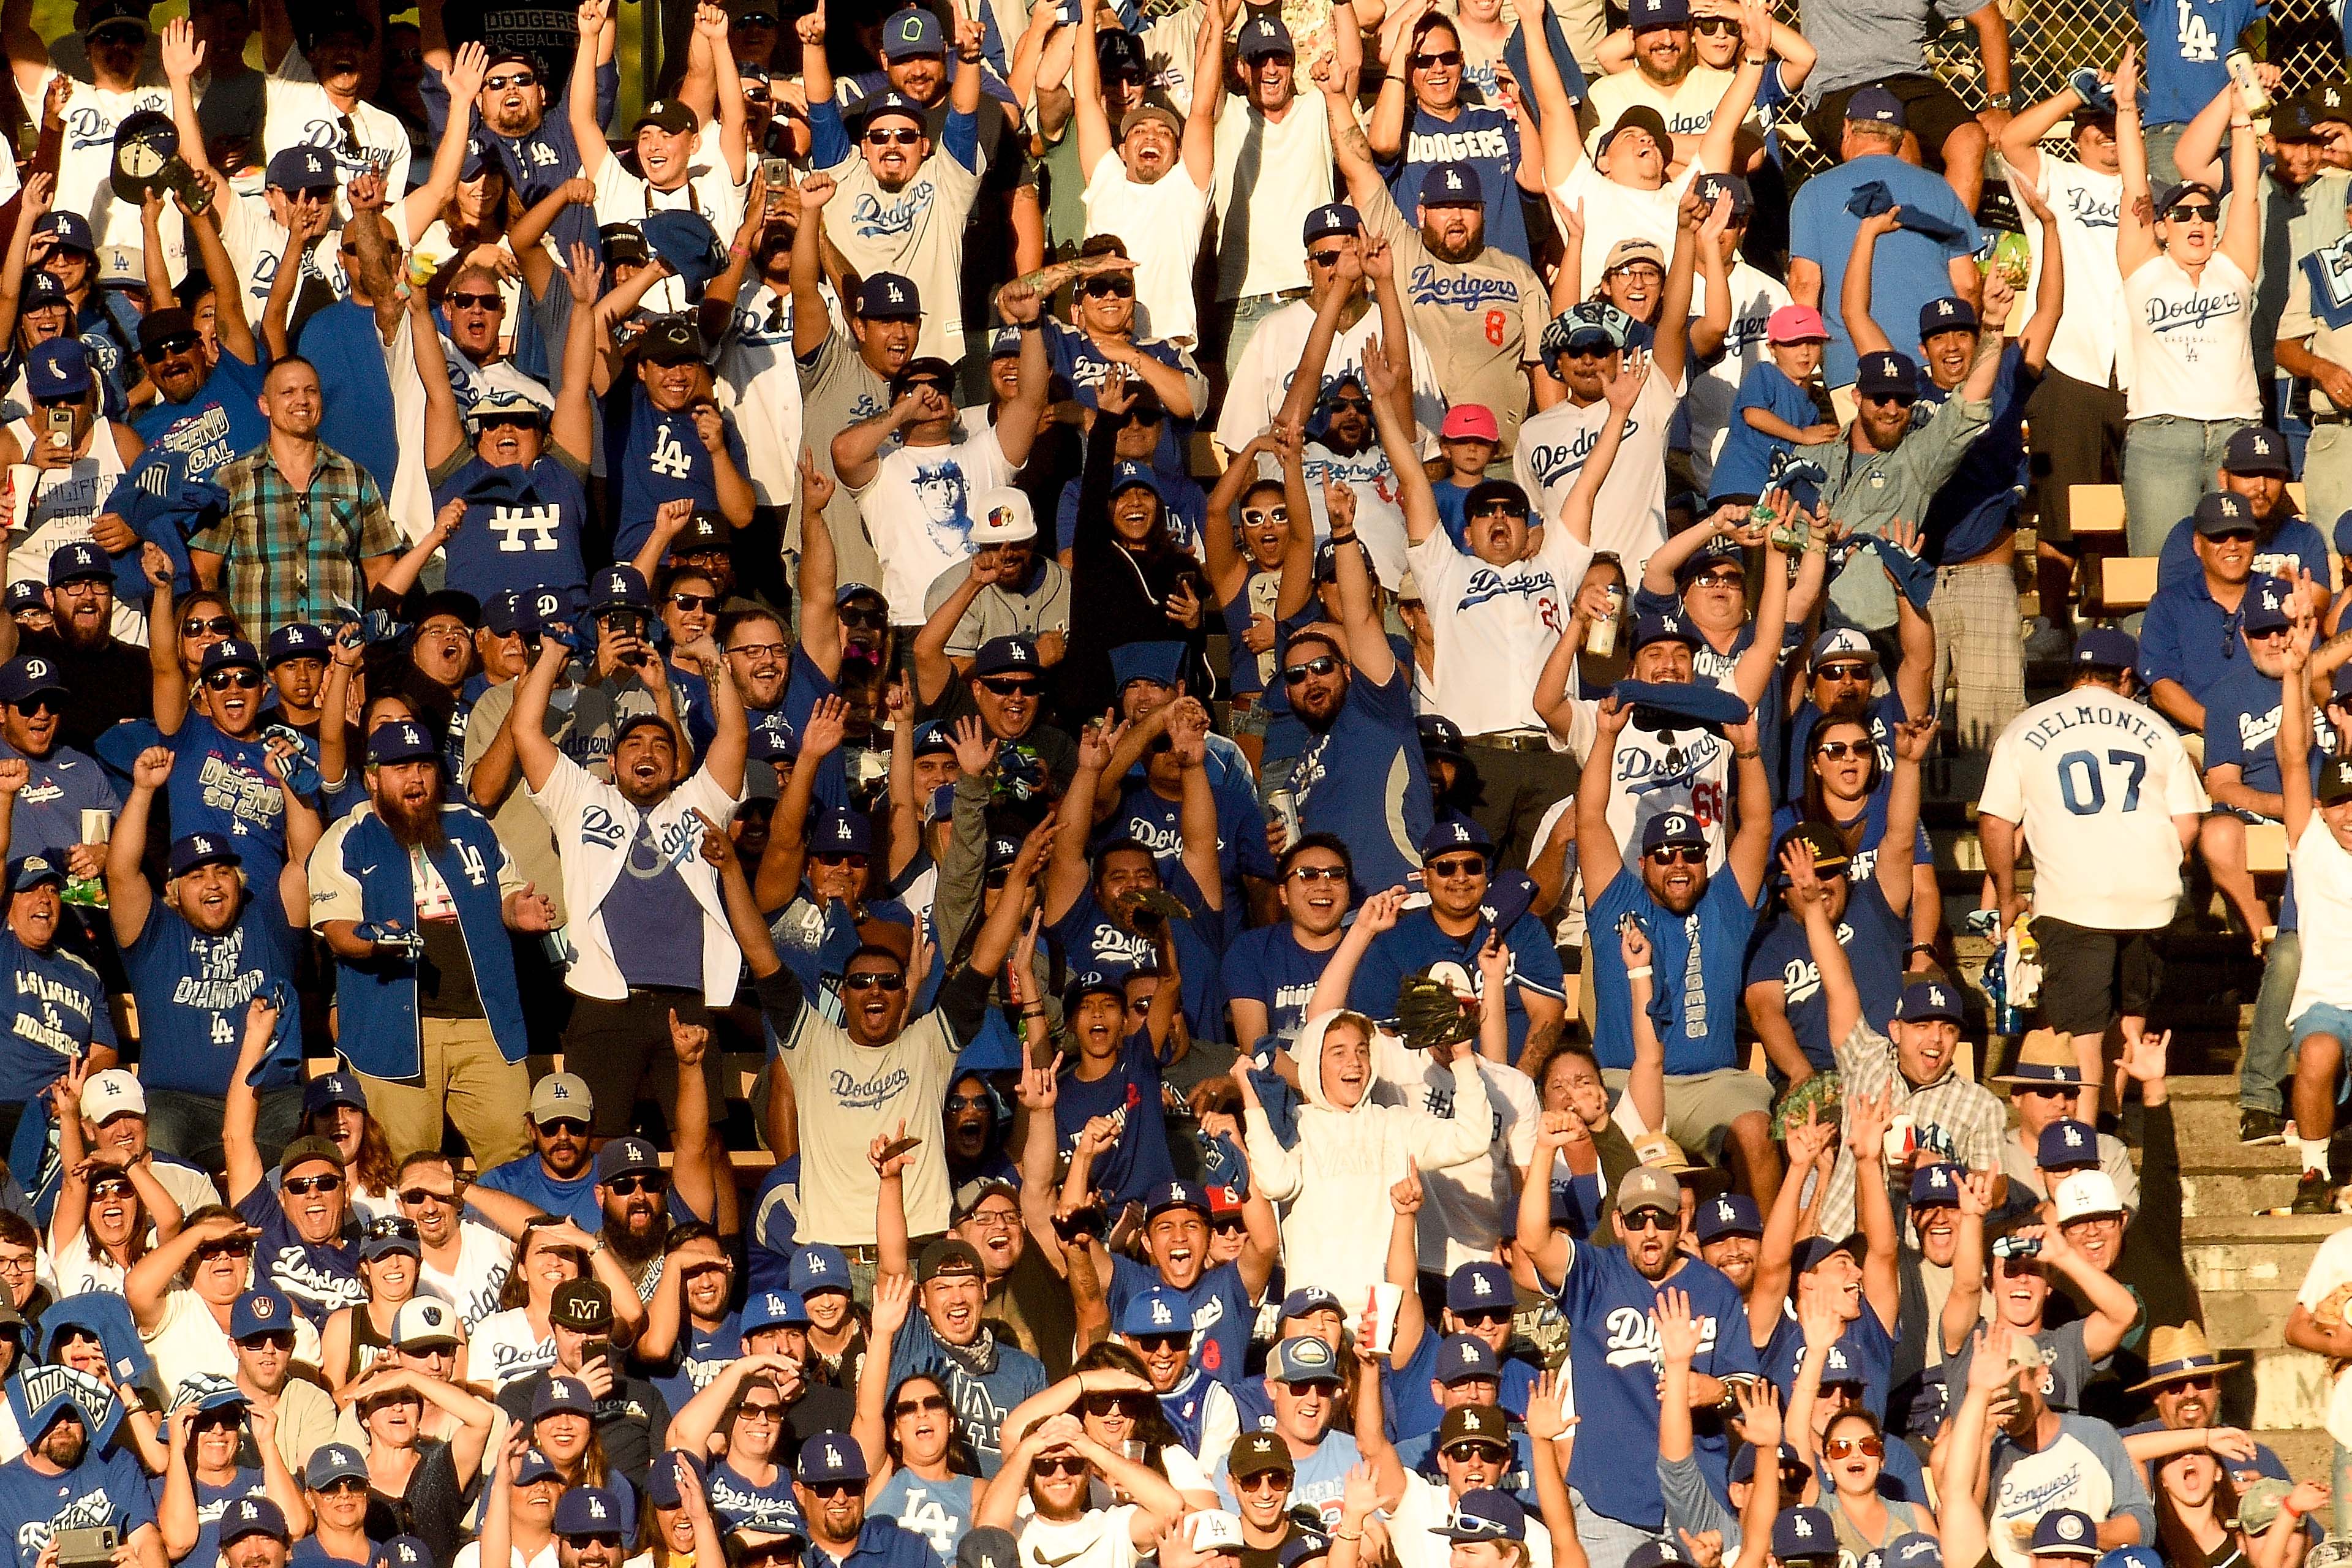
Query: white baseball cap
(1216, 1529)
(2086, 1193)
(110, 1093)
(1001, 515)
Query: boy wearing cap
(1774, 410)
(1211, 1305)
(195, 958)
(907, 209)
(61, 783)
(2109, 817)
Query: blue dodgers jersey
(939, 1511)
(218, 785)
(62, 785)
(106, 1489)
(1873, 938)
(1416, 942)
(1487, 138)
(1090, 941)
(662, 458)
(2184, 60)
(1614, 1352)
(1128, 1094)
(739, 1503)
(1865, 1350)
(222, 420)
(316, 1278)
(1222, 1312)
(1266, 965)
(702, 1354)
(522, 545)
(192, 990)
(57, 1012)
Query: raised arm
(527, 719)
(242, 1106)
(1854, 296)
(129, 897)
(1095, 141)
(1359, 616)
(580, 94)
(2241, 225)
(1717, 146)
(2134, 229)
(1598, 855)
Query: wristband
(1750, 755)
(1036, 324)
(1641, 973)
(1756, 59)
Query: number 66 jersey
(2096, 779)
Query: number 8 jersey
(2096, 779)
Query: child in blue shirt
(1775, 410)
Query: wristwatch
(1998, 99)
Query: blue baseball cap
(1711, 186)
(840, 831)
(1174, 1195)
(1801, 1534)
(27, 872)
(1263, 35)
(231, 653)
(1453, 183)
(1589, 323)
(911, 33)
(72, 563)
(330, 1462)
(1911, 1550)
(508, 613)
(1642, 15)
(626, 1156)
(2106, 647)
(402, 740)
(1743, 1463)
(537, 1466)
(1937, 1185)
(1155, 1310)
(560, 1395)
(388, 1234)
(830, 1457)
(1887, 374)
(191, 851)
(1309, 1298)
(618, 585)
(1924, 1000)
(887, 105)
(587, 1510)
(1479, 1287)
(2257, 451)
(401, 1551)
(27, 674)
(1162, 663)
(58, 368)
(1485, 1514)
(2065, 1533)
(1330, 218)
(888, 296)
(2067, 1144)
(1302, 1358)
(25, 594)
(333, 1088)
(1007, 655)
(1656, 1554)
(1662, 627)
(818, 1267)
(1457, 833)
(2222, 512)
(69, 229)
(296, 639)
(1462, 1358)
(303, 168)
(252, 1516)
(1673, 830)
(1949, 314)
(1875, 106)
(1132, 474)
(1732, 1213)
(774, 1310)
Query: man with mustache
(111, 680)
(554, 1174)
(64, 1480)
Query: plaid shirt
(1958, 1117)
(291, 552)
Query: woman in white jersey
(63, 466)
(2319, 842)
(2188, 303)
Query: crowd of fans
(1067, 783)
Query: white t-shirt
(1467, 1208)
(85, 161)
(1380, 517)
(2088, 205)
(1414, 1521)
(297, 112)
(1629, 516)
(1160, 224)
(1099, 1538)
(2191, 352)
(80, 1268)
(848, 1093)
(1679, 768)
(708, 189)
(2323, 884)
(1706, 412)
(470, 1556)
(1494, 626)
(255, 243)
(1283, 167)
(917, 510)
(1613, 212)
(2330, 1273)
(503, 1347)
(915, 231)
(760, 384)
(1688, 108)
(1270, 360)
(483, 1259)
(2097, 779)
(189, 1340)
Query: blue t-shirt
(652, 902)
(1409, 1409)
(1267, 964)
(1614, 1353)
(317, 1278)
(1865, 1351)
(1979, 502)
(357, 417)
(105, 1488)
(939, 1511)
(982, 1392)
(881, 1543)
(2183, 62)
(1908, 269)
(1693, 1005)
(1745, 464)
(2297, 546)
(63, 785)
(218, 785)
(1222, 1312)
(739, 1503)
(574, 1199)
(220, 421)
(2242, 724)
(1083, 367)
(1415, 942)
(521, 545)
(1487, 138)
(1884, 716)
(192, 990)
(213, 1501)
(1130, 1095)
(1318, 1477)
(1364, 780)
(1157, 823)
(661, 457)
(1874, 937)
(57, 1011)
(1089, 941)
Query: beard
(633, 1251)
(414, 827)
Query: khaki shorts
(1701, 1106)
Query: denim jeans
(2168, 464)
(1237, 321)
(189, 1125)
(2269, 1063)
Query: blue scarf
(380, 1034)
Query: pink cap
(1470, 422)
(1796, 324)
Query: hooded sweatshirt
(1344, 1158)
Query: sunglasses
(478, 301)
(177, 343)
(2234, 536)
(112, 1187)
(1276, 515)
(1677, 855)
(212, 1249)
(2194, 212)
(867, 618)
(555, 1124)
(1324, 258)
(490, 422)
(967, 1102)
(303, 1186)
(1720, 578)
(416, 1196)
(1456, 865)
(346, 1483)
(1442, 57)
(834, 1488)
(920, 1406)
(1649, 1219)
(690, 602)
(1318, 874)
(1120, 288)
(999, 878)
(276, 1340)
(38, 704)
(129, 38)
(1154, 1345)
(1715, 26)
(512, 78)
(1358, 405)
(1847, 1447)
(1501, 506)
(1465, 1453)
(608, 1539)
(1295, 674)
(1128, 1404)
(1483, 1317)
(1839, 751)
(825, 858)
(219, 626)
(1264, 1481)
(629, 1186)
(901, 138)
(754, 93)
(241, 679)
(874, 980)
(1842, 672)
(1066, 1465)
(760, 1412)
(1009, 686)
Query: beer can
(1284, 804)
(1600, 637)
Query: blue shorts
(2322, 1018)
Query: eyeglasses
(1264, 1481)
(1318, 874)
(1116, 286)
(1293, 675)
(918, 1405)
(16, 1265)
(759, 650)
(899, 138)
(177, 343)
(242, 679)
(478, 301)
(629, 1186)
(1456, 865)
(1271, 515)
(874, 980)
(1847, 1447)
(416, 1198)
(1442, 57)
(2194, 212)
(1324, 258)
(1677, 855)
(218, 626)
(1065, 1465)
(690, 602)
(303, 1186)
(513, 78)
(1009, 685)
(1839, 751)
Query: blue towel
(1872, 196)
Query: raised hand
(828, 722)
(1405, 1196)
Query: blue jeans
(2269, 1063)
(1239, 320)
(2168, 464)
(182, 1123)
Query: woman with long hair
(518, 1339)
(1567, 1076)
(356, 1335)
(421, 1481)
(565, 1429)
(1111, 1392)
(108, 1216)
(1852, 1456)
(2196, 1513)
(1842, 793)
(335, 1108)
(204, 1476)
(920, 1471)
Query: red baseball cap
(1470, 422)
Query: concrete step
(2308, 1451)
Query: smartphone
(177, 178)
(779, 172)
(594, 1350)
(59, 423)
(898, 1146)
(86, 1548)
